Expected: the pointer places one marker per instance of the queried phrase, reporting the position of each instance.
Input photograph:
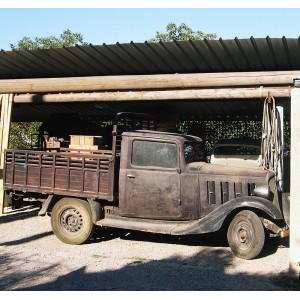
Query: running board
(147, 225)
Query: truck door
(153, 180)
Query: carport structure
(188, 80)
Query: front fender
(214, 220)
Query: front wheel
(246, 235)
(71, 221)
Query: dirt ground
(33, 259)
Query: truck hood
(214, 169)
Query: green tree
(21, 133)
(66, 39)
(180, 33)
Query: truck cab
(165, 176)
(153, 174)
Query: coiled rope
(272, 140)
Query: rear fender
(214, 220)
(96, 208)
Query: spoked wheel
(71, 221)
(246, 235)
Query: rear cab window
(194, 152)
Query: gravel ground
(33, 259)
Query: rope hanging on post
(268, 135)
(272, 140)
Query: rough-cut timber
(212, 94)
(140, 82)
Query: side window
(154, 154)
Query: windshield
(237, 150)
(194, 151)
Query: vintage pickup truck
(150, 181)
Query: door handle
(130, 176)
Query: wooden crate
(94, 147)
(52, 144)
(85, 140)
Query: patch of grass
(137, 260)
(96, 256)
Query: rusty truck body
(151, 181)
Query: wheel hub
(242, 234)
(71, 220)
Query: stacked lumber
(86, 142)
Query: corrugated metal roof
(208, 56)
(236, 55)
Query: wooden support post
(5, 116)
(295, 187)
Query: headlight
(262, 191)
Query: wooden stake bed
(61, 171)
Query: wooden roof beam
(147, 82)
(195, 94)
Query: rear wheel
(71, 221)
(246, 235)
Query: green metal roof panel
(235, 55)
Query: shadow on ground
(206, 271)
(19, 214)
(216, 239)
(27, 239)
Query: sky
(117, 23)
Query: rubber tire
(84, 228)
(246, 235)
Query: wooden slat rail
(63, 171)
